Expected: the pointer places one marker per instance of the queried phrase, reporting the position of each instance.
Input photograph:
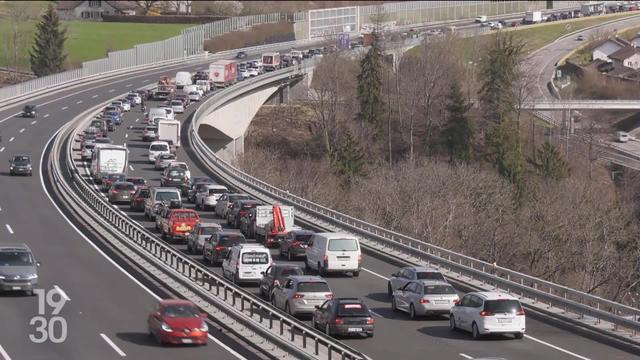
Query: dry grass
(265, 7)
(257, 35)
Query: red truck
(178, 223)
(223, 73)
(271, 61)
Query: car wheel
(370, 334)
(321, 270)
(389, 290)
(518, 336)
(475, 333)
(289, 255)
(412, 312)
(394, 306)
(235, 278)
(356, 273)
(197, 206)
(452, 323)
(205, 259)
(327, 330)
(307, 268)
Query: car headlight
(29, 166)
(2, 277)
(204, 327)
(166, 327)
(32, 276)
(11, 167)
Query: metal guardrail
(257, 312)
(538, 292)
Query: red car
(138, 198)
(178, 322)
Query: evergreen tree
(348, 159)
(551, 165)
(459, 132)
(47, 54)
(503, 145)
(370, 88)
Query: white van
(183, 78)
(334, 252)
(246, 263)
(156, 148)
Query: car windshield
(167, 196)
(343, 245)
(150, 128)
(15, 258)
(181, 311)
(193, 93)
(179, 166)
(21, 160)
(315, 286)
(502, 306)
(89, 146)
(136, 181)
(255, 258)
(439, 290)
(103, 141)
(429, 275)
(115, 177)
(185, 215)
(176, 103)
(208, 230)
(29, 107)
(229, 240)
(353, 309)
(159, 147)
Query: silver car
(87, 150)
(121, 191)
(300, 294)
(18, 268)
(149, 133)
(425, 297)
(163, 161)
(201, 232)
(207, 196)
(225, 201)
(409, 273)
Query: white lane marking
(113, 346)
(79, 102)
(12, 138)
(465, 356)
(94, 96)
(130, 167)
(46, 115)
(0, 209)
(21, 130)
(137, 120)
(128, 85)
(375, 274)
(125, 144)
(556, 347)
(145, 80)
(62, 293)
(1, 150)
(34, 122)
(112, 90)
(65, 107)
(126, 136)
(4, 354)
(136, 281)
(9, 229)
(375, 313)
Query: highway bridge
(109, 296)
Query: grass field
(85, 40)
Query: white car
(136, 97)
(253, 71)
(489, 312)
(496, 26)
(87, 150)
(207, 196)
(118, 105)
(156, 148)
(195, 96)
(177, 107)
(126, 106)
(244, 73)
(182, 165)
(622, 136)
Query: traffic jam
(133, 153)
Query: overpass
(563, 105)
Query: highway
(402, 337)
(106, 314)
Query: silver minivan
(300, 294)
(18, 268)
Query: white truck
(273, 222)
(108, 159)
(532, 17)
(169, 131)
(183, 78)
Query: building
(608, 47)
(635, 41)
(93, 10)
(593, 8)
(628, 57)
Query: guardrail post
(329, 351)
(293, 333)
(304, 339)
(241, 304)
(281, 327)
(316, 351)
(270, 320)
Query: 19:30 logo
(54, 328)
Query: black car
(344, 316)
(294, 244)
(20, 165)
(241, 55)
(275, 275)
(238, 209)
(29, 111)
(217, 246)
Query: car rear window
(343, 245)
(217, 191)
(90, 146)
(502, 306)
(255, 258)
(238, 197)
(231, 240)
(125, 187)
(138, 181)
(429, 275)
(303, 238)
(145, 193)
(353, 309)
(315, 286)
(167, 156)
(184, 215)
(167, 195)
(208, 230)
(159, 147)
(439, 290)
(288, 271)
(249, 206)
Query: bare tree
(19, 12)
(148, 5)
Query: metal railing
(257, 312)
(536, 292)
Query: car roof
(123, 182)
(494, 295)
(167, 189)
(422, 268)
(302, 231)
(229, 233)
(26, 155)
(168, 302)
(331, 235)
(159, 143)
(209, 224)
(307, 278)
(14, 247)
(349, 300)
(431, 282)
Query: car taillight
(485, 313)
(359, 259)
(114, 191)
(456, 301)
(520, 312)
(298, 296)
(229, 205)
(370, 321)
(219, 248)
(242, 212)
(295, 243)
(424, 301)
(338, 321)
